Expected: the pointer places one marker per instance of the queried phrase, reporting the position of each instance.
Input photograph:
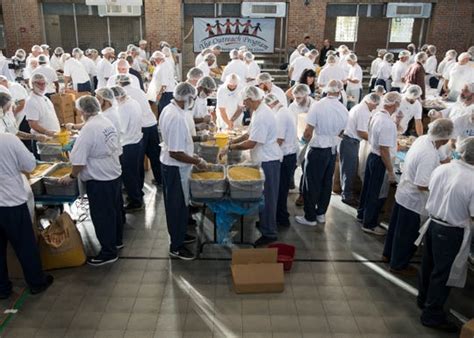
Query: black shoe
(133, 207)
(194, 209)
(445, 326)
(120, 246)
(265, 241)
(191, 221)
(98, 261)
(188, 239)
(39, 289)
(183, 254)
(292, 185)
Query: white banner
(257, 34)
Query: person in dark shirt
(135, 72)
(416, 73)
(307, 42)
(322, 55)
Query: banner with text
(257, 34)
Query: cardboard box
(257, 271)
(467, 330)
(63, 103)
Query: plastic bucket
(221, 139)
(286, 254)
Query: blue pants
(401, 236)
(165, 99)
(16, 228)
(442, 244)
(317, 186)
(84, 87)
(151, 148)
(175, 207)
(348, 159)
(130, 160)
(370, 203)
(287, 171)
(105, 204)
(267, 215)
(301, 178)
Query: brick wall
(306, 19)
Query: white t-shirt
(229, 100)
(253, 70)
(382, 132)
(40, 108)
(14, 159)
(148, 118)
(176, 136)
(430, 65)
(206, 70)
(263, 130)
(89, 65)
(164, 76)
(76, 71)
(133, 80)
(280, 94)
(329, 118)
(458, 76)
(409, 111)
(331, 71)
(18, 93)
(97, 148)
(445, 65)
(200, 108)
(131, 116)
(299, 65)
(457, 109)
(420, 161)
(451, 196)
(104, 70)
(113, 115)
(463, 127)
(294, 55)
(358, 120)
(50, 75)
(8, 123)
(399, 70)
(374, 67)
(235, 66)
(355, 73)
(287, 131)
(56, 63)
(384, 70)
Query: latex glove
(202, 165)
(66, 180)
(204, 138)
(69, 126)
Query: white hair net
(271, 99)
(440, 129)
(432, 49)
(232, 79)
(403, 53)
(107, 50)
(304, 51)
(5, 99)
(210, 57)
(391, 99)
(123, 80)
(36, 48)
(379, 89)
(381, 52)
(372, 98)
(184, 92)
(388, 57)
(248, 56)
(194, 74)
(88, 105)
(105, 94)
(413, 92)
(166, 51)
(333, 86)
(312, 54)
(216, 47)
(119, 92)
(122, 55)
(58, 50)
(252, 93)
(3, 78)
(77, 51)
(207, 82)
(463, 56)
(36, 78)
(452, 54)
(264, 78)
(243, 48)
(421, 56)
(301, 90)
(42, 59)
(158, 55)
(234, 54)
(352, 57)
(466, 149)
(331, 59)
(300, 47)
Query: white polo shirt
(420, 161)
(175, 134)
(148, 118)
(164, 76)
(238, 67)
(399, 70)
(358, 120)
(97, 148)
(40, 108)
(130, 115)
(374, 66)
(76, 71)
(451, 196)
(14, 159)
(355, 73)
(299, 65)
(50, 75)
(286, 130)
(263, 130)
(229, 100)
(133, 80)
(331, 71)
(104, 70)
(329, 118)
(409, 111)
(382, 132)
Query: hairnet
(331, 52)
(264, 78)
(252, 93)
(105, 94)
(36, 48)
(466, 149)
(312, 54)
(44, 46)
(119, 92)
(421, 56)
(352, 57)
(3, 78)
(164, 44)
(216, 47)
(379, 89)
(42, 59)
(234, 54)
(142, 42)
(304, 51)
(122, 55)
(432, 49)
(471, 50)
(232, 79)
(440, 129)
(158, 55)
(184, 91)
(206, 51)
(391, 99)
(271, 99)
(388, 57)
(381, 52)
(372, 98)
(243, 48)
(123, 80)
(300, 47)
(249, 56)
(301, 90)
(107, 50)
(452, 54)
(413, 92)
(403, 53)
(166, 51)
(77, 51)
(210, 57)
(58, 50)
(333, 86)
(342, 48)
(37, 77)
(88, 105)
(134, 49)
(20, 54)
(5, 99)
(331, 59)
(463, 56)
(194, 74)
(207, 82)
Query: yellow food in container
(221, 139)
(61, 172)
(63, 136)
(208, 176)
(40, 168)
(244, 174)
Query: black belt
(350, 138)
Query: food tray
(246, 190)
(54, 188)
(36, 183)
(208, 189)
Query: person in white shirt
(355, 131)
(122, 68)
(300, 64)
(374, 67)
(15, 220)
(325, 122)
(130, 115)
(430, 67)
(36, 51)
(76, 73)
(19, 96)
(459, 75)
(201, 55)
(354, 80)
(163, 83)
(253, 68)
(235, 66)
(104, 67)
(288, 141)
(194, 75)
(464, 103)
(399, 70)
(384, 71)
(95, 161)
(177, 160)
(30, 67)
(144, 54)
(463, 127)
(229, 104)
(383, 142)
(206, 86)
(448, 236)
(264, 82)
(49, 74)
(344, 53)
(206, 64)
(262, 141)
(108, 108)
(412, 49)
(331, 71)
(411, 195)
(56, 61)
(89, 65)
(411, 108)
(297, 52)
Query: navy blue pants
(105, 205)
(16, 228)
(301, 178)
(442, 244)
(151, 148)
(348, 159)
(381, 82)
(165, 99)
(267, 215)
(317, 186)
(287, 172)
(84, 87)
(370, 203)
(401, 236)
(130, 161)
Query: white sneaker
(321, 219)
(377, 231)
(303, 221)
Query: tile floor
(337, 288)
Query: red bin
(286, 254)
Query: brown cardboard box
(63, 104)
(257, 271)
(467, 330)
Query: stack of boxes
(64, 107)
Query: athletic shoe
(188, 239)
(408, 271)
(39, 289)
(183, 254)
(303, 221)
(377, 231)
(120, 246)
(321, 219)
(265, 241)
(98, 261)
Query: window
(346, 28)
(401, 30)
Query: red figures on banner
(233, 28)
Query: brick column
(306, 19)
(22, 24)
(163, 20)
